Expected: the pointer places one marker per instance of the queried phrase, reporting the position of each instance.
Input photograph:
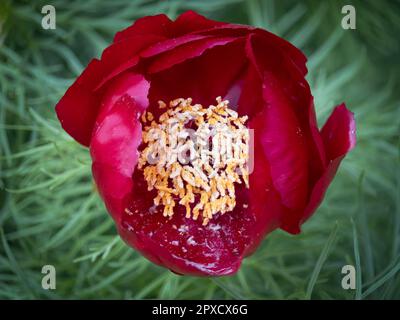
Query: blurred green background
(51, 213)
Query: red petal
(339, 137)
(170, 44)
(159, 25)
(251, 100)
(280, 130)
(293, 54)
(202, 78)
(229, 30)
(119, 56)
(114, 153)
(267, 56)
(78, 108)
(129, 83)
(191, 21)
(284, 146)
(185, 52)
(288, 67)
(339, 133)
(265, 202)
(124, 55)
(183, 245)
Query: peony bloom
(160, 77)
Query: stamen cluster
(193, 157)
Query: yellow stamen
(199, 175)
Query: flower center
(194, 156)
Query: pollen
(194, 156)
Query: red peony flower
(161, 77)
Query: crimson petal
(186, 51)
(159, 25)
(190, 21)
(114, 154)
(339, 137)
(78, 108)
(115, 142)
(202, 78)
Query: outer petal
(284, 146)
(295, 56)
(339, 137)
(114, 153)
(269, 56)
(187, 22)
(187, 51)
(339, 133)
(159, 25)
(78, 108)
(281, 131)
(115, 143)
(190, 21)
(129, 83)
(157, 47)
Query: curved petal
(170, 44)
(339, 133)
(120, 58)
(129, 83)
(114, 153)
(184, 52)
(156, 47)
(292, 54)
(190, 21)
(339, 137)
(159, 25)
(202, 78)
(123, 55)
(264, 200)
(250, 101)
(78, 109)
(284, 146)
(228, 30)
(291, 82)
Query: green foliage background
(51, 213)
